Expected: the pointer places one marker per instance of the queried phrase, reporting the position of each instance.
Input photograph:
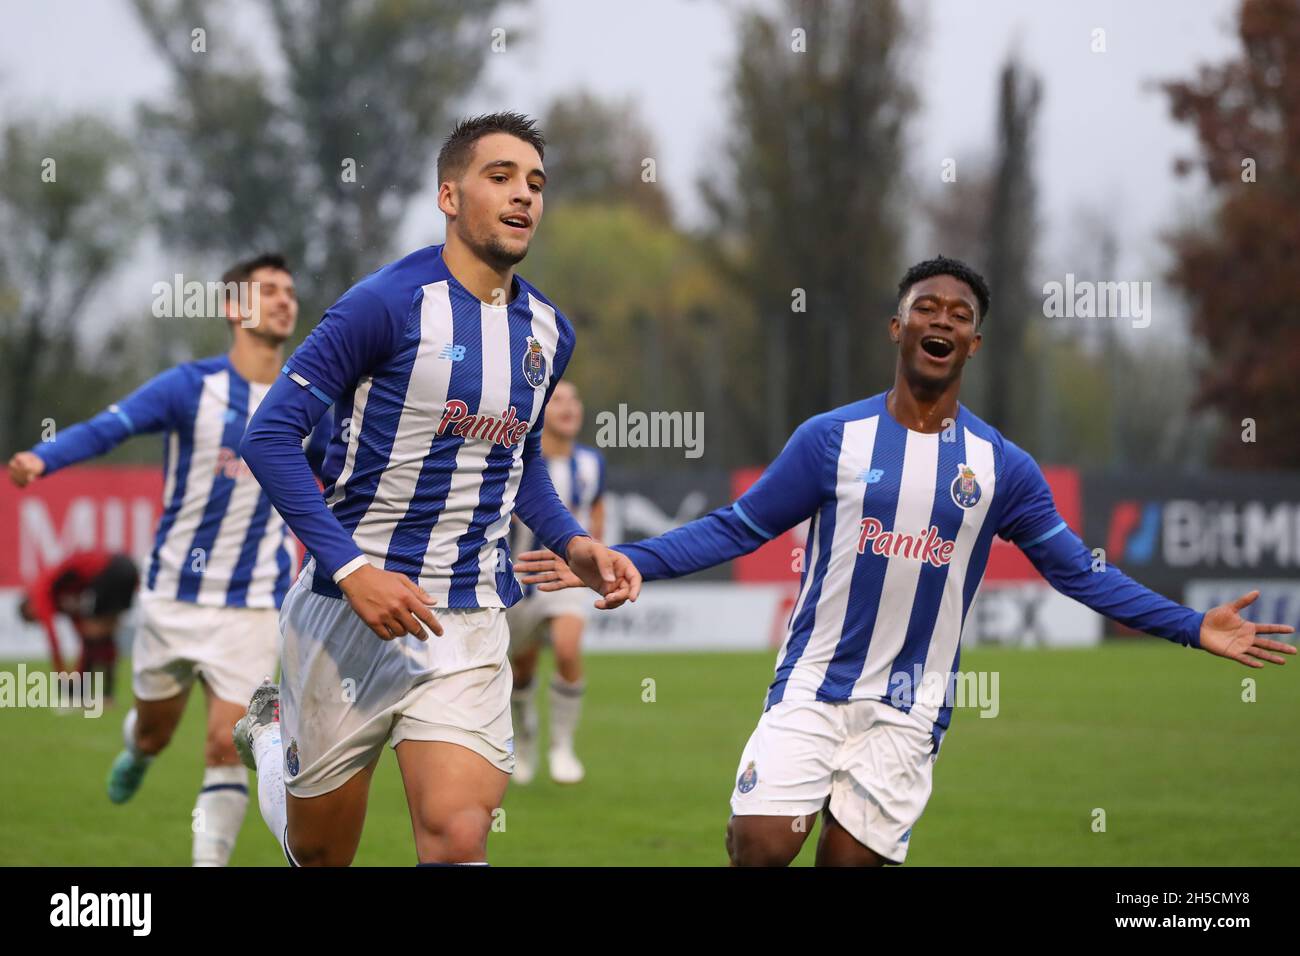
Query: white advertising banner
(694, 617)
(1030, 615)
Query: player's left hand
(1226, 633)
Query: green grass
(1156, 736)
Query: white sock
(566, 708)
(523, 711)
(269, 757)
(218, 814)
(128, 738)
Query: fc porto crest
(534, 363)
(965, 489)
(748, 780)
(291, 758)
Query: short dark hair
(243, 271)
(943, 266)
(454, 156)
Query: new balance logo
(871, 476)
(453, 352)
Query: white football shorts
(344, 692)
(872, 760)
(231, 648)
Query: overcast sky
(1105, 141)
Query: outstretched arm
(1034, 525)
(1068, 566)
(712, 539)
(148, 409)
(789, 491)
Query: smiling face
(276, 302)
(936, 330)
(272, 306)
(495, 206)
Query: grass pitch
(1156, 736)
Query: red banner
(113, 508)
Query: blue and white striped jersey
(219, 541)
(439, 405)
(900, 531)
(896, 549)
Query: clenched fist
(25, 467)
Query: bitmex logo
(1211, 533)
(1134, 531)
(133, 910)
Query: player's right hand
(25, 467)
(389, 603)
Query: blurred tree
(1103, 400)
(596, 151)
(1240, 272)
(806, 200)
(657, 328)
(1015, 379)
(320, 157)
(68, 217)
(986, 217)
(957, 214)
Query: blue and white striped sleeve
(788, 492)
(150, 408)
